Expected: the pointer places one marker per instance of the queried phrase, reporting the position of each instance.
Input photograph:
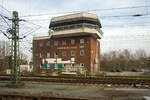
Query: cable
(34, 24)
(5, 34)
(3, 17)
(133, 7)
(3, 26)
(133, 15)
(29, 33)
(5, 9)
(25, 47)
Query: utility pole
(14, 31)
(15, 42)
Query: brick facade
(46, 48)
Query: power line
(3, 17)
(34, 24)
(131, 15)
(5, 34)
(29, 33)
(3, 26)
(133, 7)
(5, 9)
(26, 48)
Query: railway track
(24, 97)
(84, 80)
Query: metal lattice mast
(15, 40)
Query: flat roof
(41, 37)
(71, 16)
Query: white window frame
(64, 53)
(48, 55)
(73, 41)
(81, 65)
(72, 53)
(55, 54)
(40, 55)
(55, 42)
(41, 44)
(48, 43)
(81, 40)
(72, 65)
(81, 53)
(64, 42)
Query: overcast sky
(120, 32)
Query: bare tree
(4, 49)
(123, 59)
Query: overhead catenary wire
(35, 24)
(26, 48)
(5, 34)
(29, 33)
(119, 8)
(3, 17)
(6, 9)
(132, 15)
(3, 26)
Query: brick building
(72, 45)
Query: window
(63, 53)
(55, 43)
(48, 55)
(48, 43)
(81, 46)
(72, 65)
(72, 59)
(40, 55)
(81, 40)
(41, 44)
(72, 53)
(63, 42)
(81, 52)
(72, 41)
(82, 65)
(55, 54)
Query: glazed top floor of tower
(75, 21)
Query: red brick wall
(89, 47)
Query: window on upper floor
(73, 53)
(48, 55)
(72, 41)
(64, 53)
(82, 53)
(81, 40)
(41, 44)
(63, 42)
(55, 43)
(48, 43)
(40, 55)
(55, 54)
